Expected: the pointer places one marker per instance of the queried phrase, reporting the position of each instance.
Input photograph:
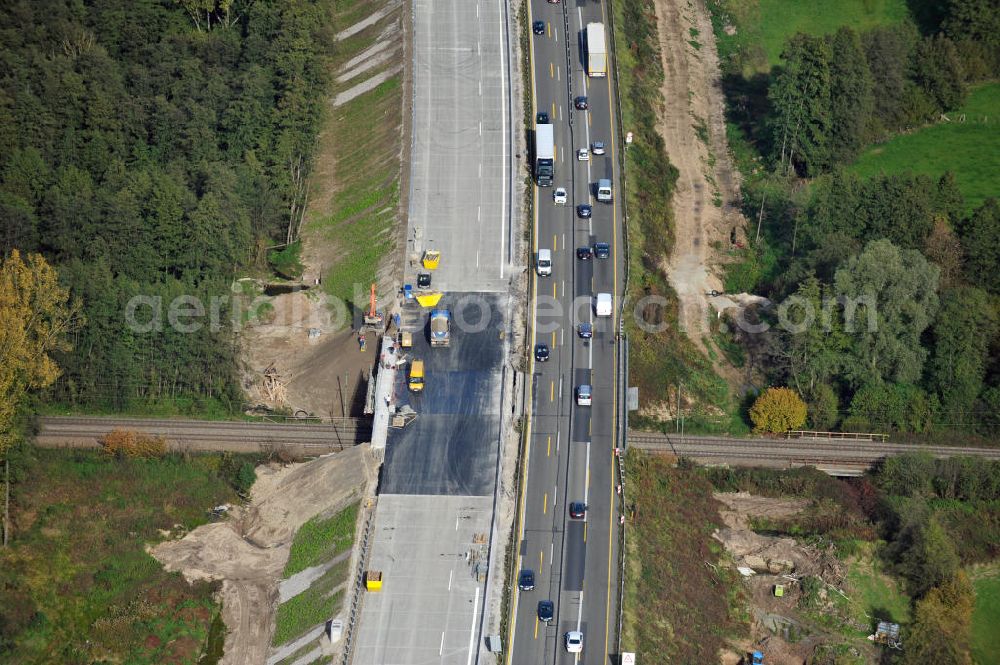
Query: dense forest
(154, 147)
(928, 266)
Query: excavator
(373, 317)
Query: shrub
(778, 410)
(121, 443)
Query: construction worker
(361, 341)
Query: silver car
(559, 196)
(598, 148)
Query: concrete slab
(459, 182)
(429, 608)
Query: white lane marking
(558, 435)
(472, 628)
(562, 287)
(477, 258)
(560, 388)
(479, 209)
(562, 336)
(503, 143)
(559, 73)
(480, 128)
(579, 615)
(451, 574)
(586, 485)
(441, 648)
(456, 524)
(480, 170)
(480, 88)
(552, 552)
(555, 496)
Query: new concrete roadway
(569, 457)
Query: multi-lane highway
(569, 456)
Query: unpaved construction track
(692, 123)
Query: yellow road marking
(541, 560)
(548, 450)
(553, 339)
(555, 242)
(536, 628)
(553, 117)
(528, 414)
(552, 70)
(584, 532)
(552, 391)
(554, 289)
(545, 504)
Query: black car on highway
(541, 353)
(542, 118)
(581, 103)
(546, 610)
(583, 253)
(584, 210)
(526, 580)
(585, 330)
(538, 27)
(578, 510)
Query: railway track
(85, 431)
(826, 454)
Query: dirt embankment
(248, 551)
(706, 202)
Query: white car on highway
(559, 196)
(584, 395)
(574, 641)
(583, 155)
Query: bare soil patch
(785, 628)
(706, 202)
(248, 551)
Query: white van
(544, 263)
(604, 190)
(603, 304)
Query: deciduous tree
(893, 294)
(778, 410)
(963, 329)
(942, 624)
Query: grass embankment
(78, 585)
(317, 542)
(969, 148)
(763, 26)
(986, 616)
(362, 138)
(676, 608)
(658, 361)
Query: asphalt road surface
(571, 448)
(451, 448)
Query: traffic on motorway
(564, 608)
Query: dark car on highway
(584, 210)
(585, 330)
(542, 118)
(583, 253)
(602, 250)
(546, 610)
(538, 27)
(541, 352)
(578, 510)
(581, 103)
(526, 580)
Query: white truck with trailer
(597, 50)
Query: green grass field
(77, 584)
(874, 593)
(321, 601)
(986, 617)
(319, 540)
(763, 26)
(970, 149)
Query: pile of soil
(248, 552)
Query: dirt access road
(706, 203)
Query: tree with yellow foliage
(778, 410)
(35, 316)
